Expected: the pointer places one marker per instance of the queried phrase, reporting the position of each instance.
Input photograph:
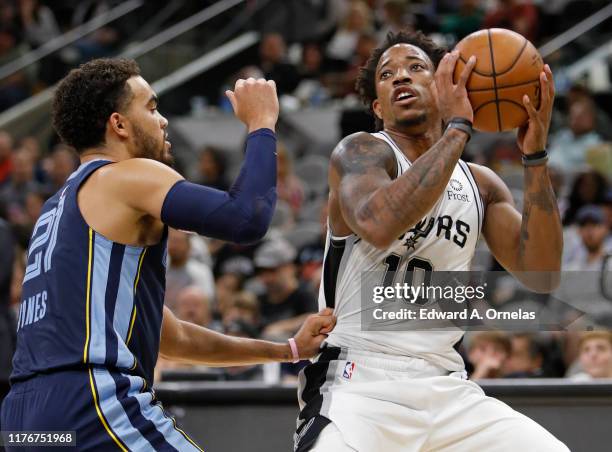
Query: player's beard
(411, 122)
(148, 147)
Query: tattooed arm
(533, 242)
(374, 206)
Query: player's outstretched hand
(255, 103)
(453, 99)
(533, 135)
(314, 331)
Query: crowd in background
(265, 290)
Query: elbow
(255, 226)
(541, 281)
(251, 233)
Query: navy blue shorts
(108, 410)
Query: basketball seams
(475, 71)
(500, 87)
(500, 101)
(494, 75)
(484, 74)
(518, 57)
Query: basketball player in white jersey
(402, 199)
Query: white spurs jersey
(445, 239)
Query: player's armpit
(360, 165)
(502, 222)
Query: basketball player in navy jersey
(401, 200)
(92, 320)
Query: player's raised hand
(533, 135)
(255, 102)
(453, 99)
(314, 331)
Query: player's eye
(385, 74)
(417, 67)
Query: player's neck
(414, 145)
(114, 154)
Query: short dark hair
(365, 84)
(87, 96)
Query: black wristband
(535, 159)
(462, 124)
(460, 120)
(535, 155)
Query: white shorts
(368, 402)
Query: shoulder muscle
(140, 183)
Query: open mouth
(404, 95)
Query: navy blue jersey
(87, 300)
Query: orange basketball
(507, 67)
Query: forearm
(198, 345)
(392, 209)
(240, 215)
(541, 235)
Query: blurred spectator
(23, 223)
(212, 168)
(467, 19)
(343, 84)
(6, 161)
(243, 307)
(568, 146)
(310, 256)
(517, 15)
(31, 144)
(581, 289)
(526, 357)
(7, 321)
(311, 90)
(603, 123)
(192, 305)
(20, 184)
(595, 356)
(312, 61)
(395, 17)
(272, 61)
(286, 302)
(230, 281)
(487, 353)
(589, 187)
(289, 187)
(357, 20)
(16, 87)
(38, 22)
(101, 42)
(593, 231)
(63, 161)
(183, 271)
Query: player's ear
(376, 109)
(117, 122)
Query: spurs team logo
(444, 226)
(349, 367)
(418, 231)
(455, 194)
